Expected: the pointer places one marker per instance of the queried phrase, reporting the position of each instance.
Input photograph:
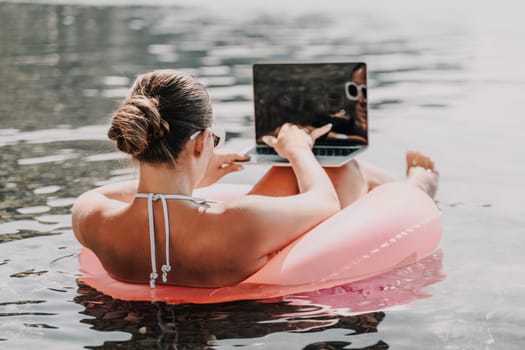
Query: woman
(143, 229)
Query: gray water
(446, 79)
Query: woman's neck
(164, 179)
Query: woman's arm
(295, 144)
(222, 163)
(262, 225)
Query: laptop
(311, 95)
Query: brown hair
(158, 117)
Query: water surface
(444, 79)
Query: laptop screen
(312, 95)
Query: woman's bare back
(202, 254)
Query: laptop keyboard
(317, 151)
(332, 151)
(266, 150)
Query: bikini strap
(153, 275)
(157, 196)
(166, 267)
(151, 197)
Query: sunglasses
(352, 91)
(216, 138)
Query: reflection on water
(161, 326)
(63, 70)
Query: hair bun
(137, 124)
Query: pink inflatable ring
(393, 225)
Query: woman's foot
(421, 172)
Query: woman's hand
(221, 163)
(292, 138)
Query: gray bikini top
(163, 197)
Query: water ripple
(47, 189)
(28, 225)
(22, 302)
(28, 273)
(39, 325)
(11, 314)
(60, 202)
(90, 133)
(58, 158)
(33, 210)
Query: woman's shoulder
(227, 224)
(90, 210)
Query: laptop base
(325, 160)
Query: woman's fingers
(290, 132)
(238, 157)
(270, 140)
(231, 167)
(316, 133)
(235, 157)
(292, 137)
(229, 157)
